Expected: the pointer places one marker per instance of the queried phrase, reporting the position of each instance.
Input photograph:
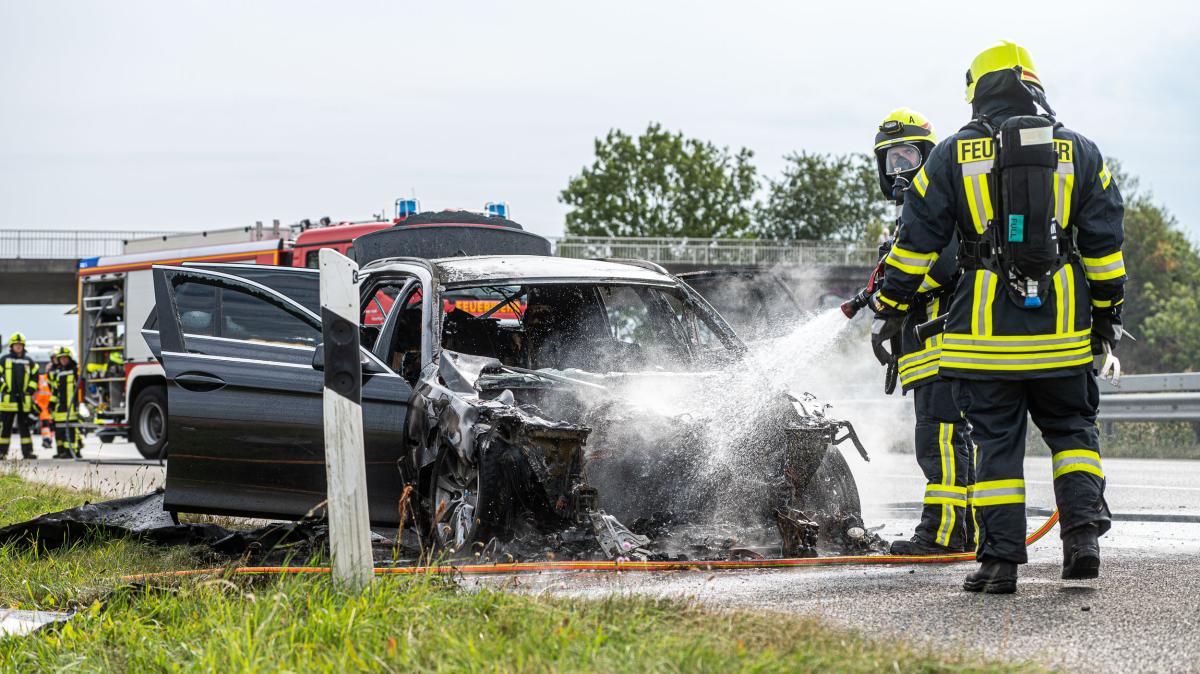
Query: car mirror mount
(368, 366)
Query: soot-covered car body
(504, 397)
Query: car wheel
(148, 423)
(832, 488)
(466, 512)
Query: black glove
(1106, 329)
(883, 331)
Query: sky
(204, 115)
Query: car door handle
(199, 382)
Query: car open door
(245, 402)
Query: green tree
(823, 197)
(1161, 308)
(661, 184)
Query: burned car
(505, 398)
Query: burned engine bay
(515, 464)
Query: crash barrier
(67, 244)
(717, 251)
(1152, 397)
(616, 566)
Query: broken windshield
(587, 326)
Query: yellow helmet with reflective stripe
(1003, 55)
(16, 338)
(903, 142)
(64, 351)
(903, 125)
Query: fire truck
(124, 384)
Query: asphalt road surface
(1143, 614)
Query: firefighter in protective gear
(904, 139)
(64, 402)
(1008, 361)
(17, 389)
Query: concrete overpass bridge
(38, 266)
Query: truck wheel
(148, 423)
(832, 488)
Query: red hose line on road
(614, 566)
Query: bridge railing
(67, 244)
(718, 251)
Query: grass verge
(304, 623)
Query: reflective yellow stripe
(1105, 176)
(890, 302)
(927, 284)
(981, 308)
(946, 454)
(1104, 268)
(968, 343)
(910, 261)
(986, 195)
(1070, 301)
(1064, 300)
(1104, 304)
(917, 374)
(976, 191)
(921, 182)
(1077, 460)
(902, 139)
(1014, 339)
(1068, 188)
(1001, 356)
(997, 492)
(979, 361)
(918, 357)
(955, 493)
(934, 306)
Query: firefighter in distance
(17, 390)
(64, 402)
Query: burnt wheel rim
(457, 499)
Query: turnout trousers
(1064, 409)
(66, 438)
(944, 457)
(21, 421)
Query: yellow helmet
(16, 338)
(64, 351)
(902, 144)
(1003, 55)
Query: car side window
(312, 259)
(211, 308)
(197, 306)
(249, 317)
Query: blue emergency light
(407, 207)
(496, 209)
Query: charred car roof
(492, 269)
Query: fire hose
(616, 566)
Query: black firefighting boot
(1081, 553)
(919, 546)
(995, 576)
